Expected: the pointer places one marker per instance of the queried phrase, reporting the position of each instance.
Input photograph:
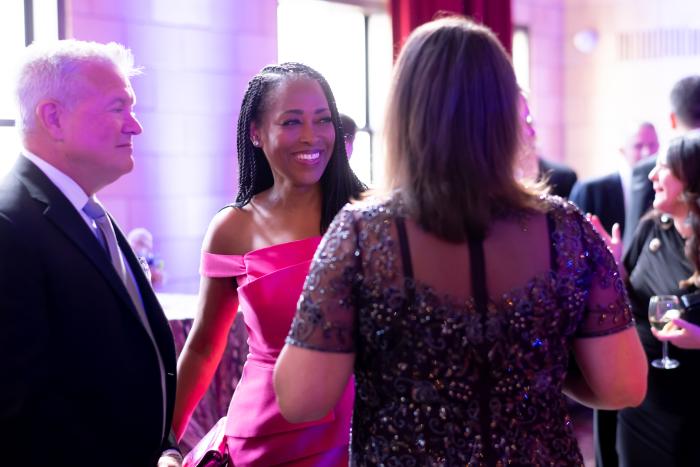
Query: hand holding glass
(662, 309)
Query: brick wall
(198, 57)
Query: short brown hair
(452, 129)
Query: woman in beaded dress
(294, 176)
(459, 299)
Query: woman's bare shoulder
(229, 231)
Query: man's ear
(48, 115)
(674, 121)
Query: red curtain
(406, 15)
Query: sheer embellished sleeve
(325, 315)
(607, 308)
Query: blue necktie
(108, 239)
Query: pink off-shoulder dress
(270, 281)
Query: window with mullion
(21, 23)
(351, 46)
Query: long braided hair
(683, 159)
(339, 183)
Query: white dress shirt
(65, 185)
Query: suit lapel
(151, 305)
(60, 212)
(63, 215)
(158, 322)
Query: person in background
(685, 116)
(86, 353)
(141, 241)
(606, 198)
(294, 178)
(559, 177)
(663, 259)
(531, 166)
(469, 367)
(349, 131)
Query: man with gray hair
(86, 355)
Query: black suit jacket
(80, 382)
(561, 178)
(641, 197)
(603, 197)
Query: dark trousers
(604, 437)
(648, 437)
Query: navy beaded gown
(440, 381)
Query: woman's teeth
(308, 156)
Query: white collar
(63, 182)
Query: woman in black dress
(663, 259)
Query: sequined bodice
(436, 379)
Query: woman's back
(435, 371)
(460, 352)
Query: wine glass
(662, 309)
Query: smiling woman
(294, 177)
(357, 63)
(296, 133)
(664, 259)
